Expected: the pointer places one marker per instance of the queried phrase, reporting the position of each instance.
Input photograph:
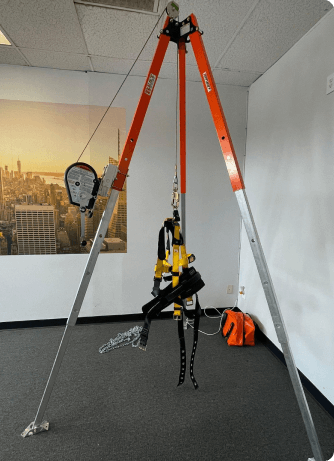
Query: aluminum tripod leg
(278, 321)
(37, 425)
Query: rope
(123, 339)
(120, 86)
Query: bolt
(131, 140)
(167, 31)
(100, 236)
(253, 240)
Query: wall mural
(38, 142)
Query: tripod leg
(38, 425)
(239, 189)
(278, 321)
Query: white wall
(290, 185)
(43, 287)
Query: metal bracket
(32, 429)
(108, 177)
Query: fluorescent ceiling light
(3, 39)
(144, 5)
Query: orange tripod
(182, 33)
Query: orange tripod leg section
(216, 109)
(141, 110)
(182, 107)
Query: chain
(121, 338)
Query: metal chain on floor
(123, 339)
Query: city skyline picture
(39, 141)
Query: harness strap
(182, 352)
(197, 315)
(196, 325)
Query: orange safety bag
(238, 329)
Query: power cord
(220, 316)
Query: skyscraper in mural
(35, 229)
(19, 167)
(2, 202)
(118, 223)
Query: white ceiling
(243, 38)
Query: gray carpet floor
(125, 405)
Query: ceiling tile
(115, 33)
(192, 73)
(9, 55)
(168, 70)
(218, 20)
(55, 60)
(111, 65)
(121, 34)
(141, 68)
(43, 24)
(271, 30)
(239, 78)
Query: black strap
(182, 352)
(197, 315)
(196, 325)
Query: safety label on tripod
(150, 84)
(206, 81)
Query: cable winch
(83, 186)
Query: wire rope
(121, 85)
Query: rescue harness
(180, 291)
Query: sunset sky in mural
(49, 137)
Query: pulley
(172, 10)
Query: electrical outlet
(229, 290)
(330, 84)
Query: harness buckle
(143, 339)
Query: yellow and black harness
(183, 286)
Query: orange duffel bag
(238, 329)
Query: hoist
(184, 285)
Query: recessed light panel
(145, 5)
(3, 39)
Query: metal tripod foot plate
(32, 429)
